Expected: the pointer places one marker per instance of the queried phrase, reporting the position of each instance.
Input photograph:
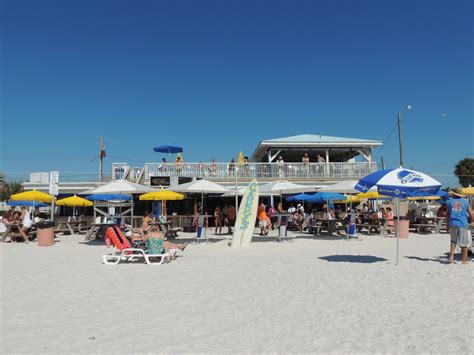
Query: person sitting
(298, 219)
(148, 221)
(155, 233)
(26, 223)
(387, 215)
(412, 216)
(442, 211)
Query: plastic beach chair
(123, 252)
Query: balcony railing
(262, 171)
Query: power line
(386, 141)
(129, 159)
(443, 163)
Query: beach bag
(154, 246)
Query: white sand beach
(310, 296)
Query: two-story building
(331, 160)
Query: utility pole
(400, 140)
(382, 163)
(101, 157)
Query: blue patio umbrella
(169, 149)
(109, 197)
(399, 183)
(26, 203)
(324, 197)
(299, 197)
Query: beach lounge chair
(123, 252)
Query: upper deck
(227, 173)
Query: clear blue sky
(219, 76)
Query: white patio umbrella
(344, 187)
(281, 187)
(120, 187)
(200, 187)
(241, 191)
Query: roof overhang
(266, 145)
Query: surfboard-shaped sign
(245, 221)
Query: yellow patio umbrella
(161, 195)
(349, 198)
(428, 198)
(370, 195)
(33, 195)
(74, 201)
(468, 190)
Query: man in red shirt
(231, 218)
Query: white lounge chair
(133, 254)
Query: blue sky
(219, 76)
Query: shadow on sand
(360, 259)
(443, 259)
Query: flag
(240, 159)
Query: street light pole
(400, 140)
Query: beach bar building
(344, 158)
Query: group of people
(149, 233)
(21, 218)
(224, 217)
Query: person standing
(262, 219)
(320, 159)
(281, 167)
(456, 220)
(231, 213)
(306, 164)
(26, 223)
(218, 217)
(231, 168)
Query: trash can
(45, 233)
(402, 226)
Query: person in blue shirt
(457, 221)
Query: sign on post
(53, 183)
(53, 189)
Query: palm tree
(464, 170)
(8, 188)
(3, 182)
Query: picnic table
(426, 224)
(13, 231)
(331, 226)
(96, 230)
(168, 231)
(72, 227)
(377, 225)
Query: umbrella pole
(397, 201)
(236, 190)
(202, 202)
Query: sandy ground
(313, 295)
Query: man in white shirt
(281, 167)
(26, 223)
